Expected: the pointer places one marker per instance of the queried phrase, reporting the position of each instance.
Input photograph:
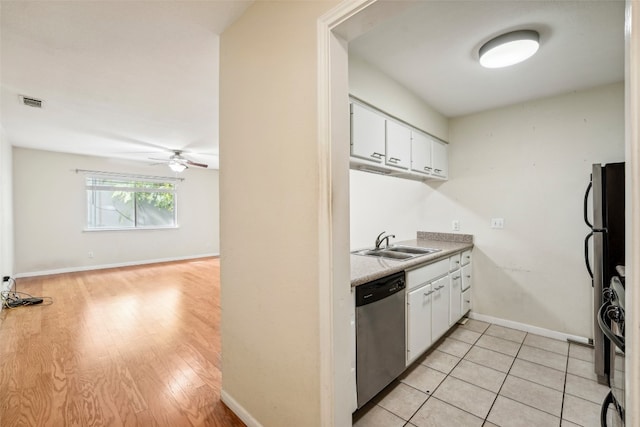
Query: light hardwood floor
(136, 346)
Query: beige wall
(371, 85)
(6, 207)
(269, 189)
(49, 206)
(529, 164)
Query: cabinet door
(455, 298)
(440, 307)
(398, 148)
(418, 322)
(466, 301)
(466, 276)
(367, 134)
(420, 153)
(439, 158)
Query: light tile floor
(487, 375)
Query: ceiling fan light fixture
(509, 48)
(176, 166)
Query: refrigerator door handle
(586, 255)
(586, 201)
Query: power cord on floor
(13, 298)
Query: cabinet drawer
(426, 273)
(454, 262)
(466, 257)
(466, 301)
(455, 297)
(466, 276)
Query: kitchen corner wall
(529, 164)
(49, 208)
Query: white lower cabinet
(418, 321)
(440, 308)
(455, 308)
(436, 299)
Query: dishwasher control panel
(379, 289)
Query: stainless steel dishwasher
(380, 336)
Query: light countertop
(367, 268)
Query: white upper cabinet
(420, 153)
(384, 144)
(440, 158)
(398, 152)
(367, 134)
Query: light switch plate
(455, 225)
(497, 222)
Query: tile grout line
(486, 418)
(564, 388)
(430, 395)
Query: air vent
(31, 102)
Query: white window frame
(87, 188)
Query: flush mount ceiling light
(509, 49)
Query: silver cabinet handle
(457, 262)
(377, 155)
(467, 300)
(428, 293)
(394, 159)
(438, 170)
(468, 276)
(427, 168)
(456, 277)
(439, 287)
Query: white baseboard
(105, 266)
(529, 328)
(239, 410)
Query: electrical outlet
(455, 225)
(6, 278)
(90, 254)
(497, 222)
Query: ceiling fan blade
(160, 160)
(192, 163)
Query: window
(129, 203)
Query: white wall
(269, 190)
(6, 207)
(49, 206)
(371, 85)
(383, 203)
(529, 164)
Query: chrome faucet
(381, 239)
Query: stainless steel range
(611, 322)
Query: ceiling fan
(177, 162)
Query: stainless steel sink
(398, 252)
(383, 254)
(411, 250)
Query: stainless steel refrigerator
(606, 192)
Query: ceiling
(132, 79)
(138, 79)
(431, 49)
